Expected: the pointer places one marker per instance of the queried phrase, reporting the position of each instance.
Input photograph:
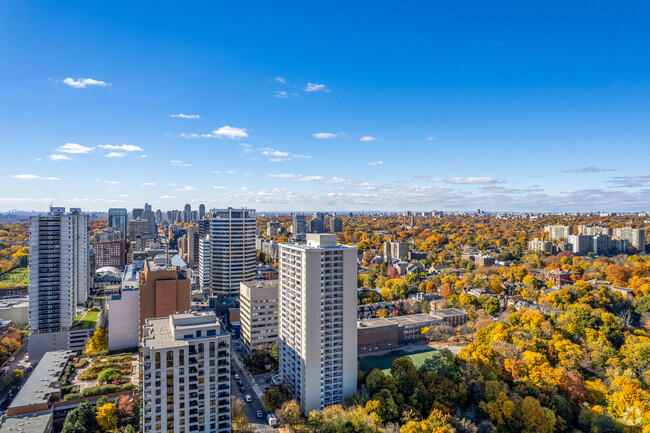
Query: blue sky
(451, 105)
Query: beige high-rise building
(185, 375)
(395, 250)
(163, 291)
(258, 306)
(318, 320)
(558, 232)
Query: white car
(236, 376)
(248, 398)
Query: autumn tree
(107, 417)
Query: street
(250, 409)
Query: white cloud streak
(82, 83)
(74, 148)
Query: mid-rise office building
(188, 246)
(137, 213)
(109, 249)
(147, 214)
(318, 316)
(336, 225)
(232, 250)
(163, 290)
(558, 232)
(258, 304)
(59, 277)
(299, 227)
(185, 375)
(119, 219)
(138, 228)
(635, 237)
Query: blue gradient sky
(492, 105)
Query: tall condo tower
(318, 320)
(59, 276)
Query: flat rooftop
(410, 319)
(43, 380)
(448, 312)
(160, 331)
(33, 423)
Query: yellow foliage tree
(107, 417)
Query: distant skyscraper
(201, 211)
(299, 227)
(147, 207)
(118, 219)
(192, 353)
(59, 277)
(318, 320)
(137, 213)
(159, 218)
(232, 250)
(336, 225)
(317, 223)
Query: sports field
(384, 362)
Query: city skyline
(513, 109)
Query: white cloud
(312, 87)
(328, 134)
(179, 163)
(148, 184)
(280, 80)
(281, 175)
(58, 157)
(188, 188)
(112, 182)
(279, 155)
(115, 155)
(186, 116)
(336, 180)
(74, 148)
(375, 163)
(307, 178)
(219, 187)
(82, 83)
(143, 156)
(281, 94)
(164, 197)
(32, 176)
(125, 147)
(431, 138)
(466, 180)
(188, 135)
(231, 172)
(228, 132)
(367, 138)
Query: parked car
(236, 376)
(242, 389)
(248, 398)
(273, 421)
(277, 380)
(260, 414)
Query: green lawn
(384, 362)
(87, 322)
(16, 278)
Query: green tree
(405, 374)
